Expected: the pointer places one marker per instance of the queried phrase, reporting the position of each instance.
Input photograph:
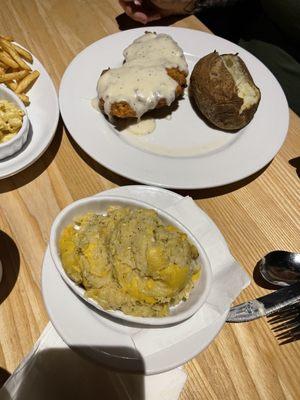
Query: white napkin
(229, 279)
(52, 371)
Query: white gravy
(142, 127)
(142, 80)
(95, 103)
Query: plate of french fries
(22, 73)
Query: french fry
(24, 53)
(15, 73)
(7, 60)
(2, 65)
(25, 83)
(8, 47)
(12, 76)
(24, 98)
(8, 38)
(11, 85)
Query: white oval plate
(182, 152)
(107, 341)
(99, 205)
(43, 114)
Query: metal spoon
(280, 268)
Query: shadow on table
(4, 375)
(37, 168)
(295, 162)
(125, 23)
(62, 374)
(197, 194)
(10, 259)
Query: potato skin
(215, 93)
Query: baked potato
(224, 91)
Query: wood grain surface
(256, 215)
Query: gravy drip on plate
(143, 80)
(142, 127)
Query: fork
(286, 324)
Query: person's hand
(140, 10)
(145, 11)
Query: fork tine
(290, 340)
(280, 319)
(289, 335)
(286, 324)
(284, 314)
(290, 320)
(288, 332)
(285, 335)
(284, 327)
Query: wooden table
(257, 215)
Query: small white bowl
(178, 313)
(17, 142)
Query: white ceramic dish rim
(25, 123)
(173, 319)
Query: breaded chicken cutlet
(122, 109)
(153, 76)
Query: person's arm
(190, 6)
(145, 11)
